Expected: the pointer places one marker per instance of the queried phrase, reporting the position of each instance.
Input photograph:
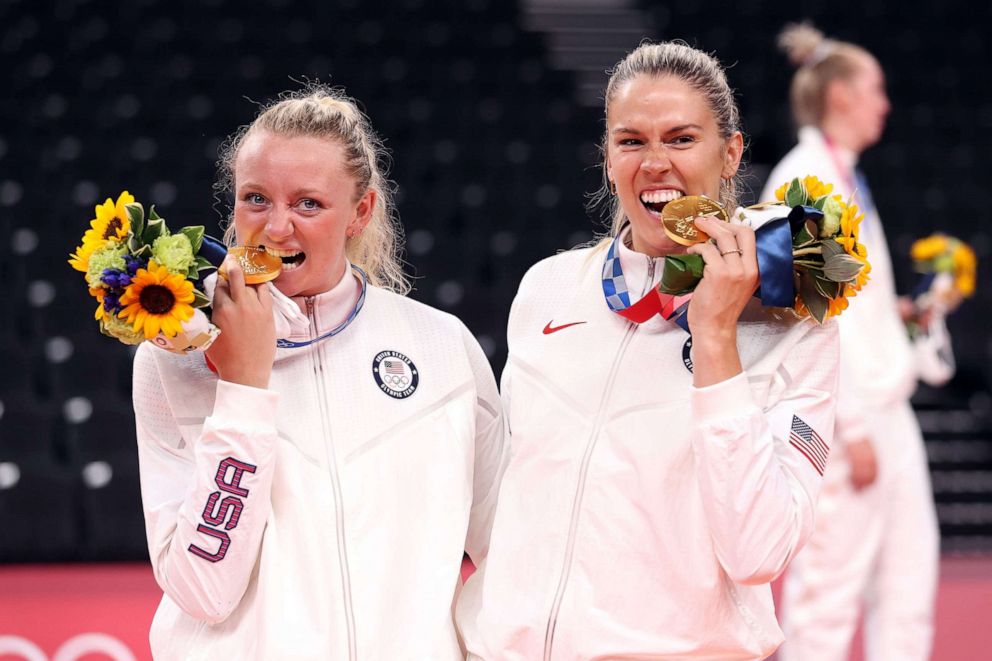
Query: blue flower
(133, 264)
(115, 278)
(112, 301)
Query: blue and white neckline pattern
(614, 284)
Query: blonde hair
(818, 62)
(704, 74)
(324, 112)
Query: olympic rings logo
(73, 649)
(396, 380)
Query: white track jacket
(640, 517)
(322, 518)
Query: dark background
(494, 160)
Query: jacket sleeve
(760, 471)
(934, 353)
(490, 452)
(851, 423)
(205, 504)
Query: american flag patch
(806, 440)
(393, 367)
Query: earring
(613, 187)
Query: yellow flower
(780, 192)
(111, 224)
(814, 188)
(928, 248)
(836, 305)
(965, 284)
(965, 264)
(98, 293)
(850, 220)
(859, 253)
(157, 300)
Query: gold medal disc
(679, 216)
(257, 265)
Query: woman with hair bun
(652, 491)
(876, 545)
(310, 489)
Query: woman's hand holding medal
(245, 349)
(730, 278)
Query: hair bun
(803, 44)
(343, 108)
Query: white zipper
(549, 634)
(332, 469)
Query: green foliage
(199, 299)
(795, 194)
(681, 274)
(812, 298)
(841, 268)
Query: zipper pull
(650, 280)
(310, 300)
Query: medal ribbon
(289, 344)
(215, 251)
(672, 308)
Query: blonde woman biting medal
(313, 498)
(646, 507)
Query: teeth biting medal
(257, 265)
(678, 218)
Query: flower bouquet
(145, 278)
(809, 258)
(948, 266)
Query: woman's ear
(363, 212)
(837, 96)
(732, 156)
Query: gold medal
(257, 265)
(679, 216)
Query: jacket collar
(636, 266)
(330, 308)
(811, 135)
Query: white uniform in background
(322, 518)
(878, 547)
(640, 517)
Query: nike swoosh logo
(548, 330)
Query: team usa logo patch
(687, 354)
(395, 374)
(805, 439)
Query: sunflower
(836, 305)
(111, 224)
(157, 300)
(849, 222)
(929, 248)
(815, 189)
(99, 293)
(965, 264)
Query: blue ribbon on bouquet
(214, 250)
(774, 247)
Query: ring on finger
(735, 250)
